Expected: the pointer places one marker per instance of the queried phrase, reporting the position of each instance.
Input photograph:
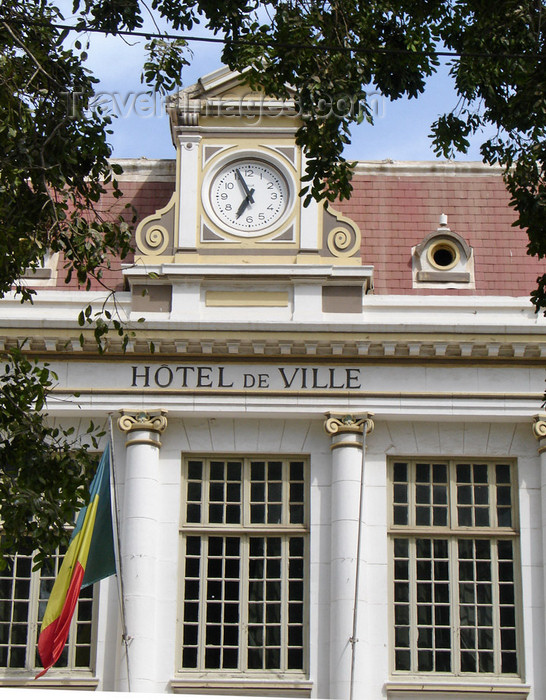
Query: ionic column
(539, 431)
(138, 547)
(348, 442)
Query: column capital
(143, 421)
(348, 423)
(539, 428)
(346, 429)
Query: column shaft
(539, 430)
(139, 539)
(347, 473)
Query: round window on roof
(443, 254)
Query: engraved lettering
(332, 380)
(316, 385)
(263, 381)
(221, 378)
(167, 379)
(185, 370)
(145, 376)
(262, 377)
(248, 381)
(203, 375)
(353, 378)
(287, 383)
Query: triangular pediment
(219, 93)
(222, 82)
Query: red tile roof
(395, 212)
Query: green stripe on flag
(101, 561)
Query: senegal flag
(89, 558)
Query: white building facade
(325, 487)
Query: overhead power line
(265, 44)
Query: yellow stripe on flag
(78, 551)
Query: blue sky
(141, 129)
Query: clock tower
(238, 177)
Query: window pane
(465, 517)
(296, 492)
(234, 471)
(257, 514)
(463, 473)
(296, 471)
(401, 548)
(509, 662)
(216, 492)
(439, 516)
(502, 473)
(400, 515)
(401, 615)
(195, 469)
(480, 473)
(274, 492)
(422, 494)
(257, 471)
(422, 473)
(217, 471)
(400, 493)
(400, 471)
(464, 494)
(402, 660)
(422, 515)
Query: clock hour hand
(248, 192)
(244, 204)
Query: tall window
(453, 535)
(23, 598)
(244, 547)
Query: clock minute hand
(244, 204)
(247, 191)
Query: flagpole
(117, 540)
(353, 640)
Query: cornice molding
(456, 330)
(423, 168)
(146, 169)
(314, 345)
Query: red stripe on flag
(91, 542)
(53, 638)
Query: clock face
(249, 196)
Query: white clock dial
(249, 196)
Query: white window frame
(245, 531)
(451, 532)
(36, 601)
